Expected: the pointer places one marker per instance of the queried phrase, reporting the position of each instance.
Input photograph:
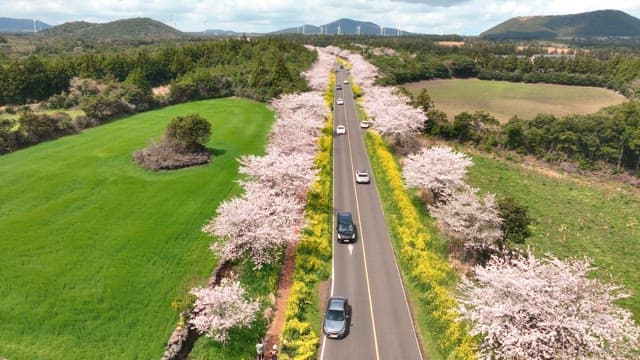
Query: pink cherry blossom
(391, 112)
(318, 74)
(527, 308)
(221, 308)
(256, 224)
(470, 219)
(439, 169)
(291, 174)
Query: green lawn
(93, 249)
(504, 99)
(574, 218)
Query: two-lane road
(366, 271)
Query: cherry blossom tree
(527, 308)
(256, 224)
(300, 118)
(318, 74)
(471, 221)
(391, 111)
(439, 169)
(290, 174)
(221, 308)
(362, 72)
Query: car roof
(337, 303)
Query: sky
(463, 17)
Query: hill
(136, 28)
(10, 25)
(346, 27)
(594, 24)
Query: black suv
(345, 228)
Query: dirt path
(286, 279)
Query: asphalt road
(365, 271)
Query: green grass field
(93, 249)
(574, 218)
(505, 99)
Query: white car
(341, 130)
(362, 177)
(345, 81)
(365, 124)
(340, 101)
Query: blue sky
(465, 17)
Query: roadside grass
(505, 99)
(574, 217)
(94, 250)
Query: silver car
(337, 319)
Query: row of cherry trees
(525, 308)
(269, 214)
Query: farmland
(94, 249)
(505, 99)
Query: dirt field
(504, 99)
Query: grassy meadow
(505, 99)
(94, 250)
(574, 217)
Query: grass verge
(573, 217)
(94, 249)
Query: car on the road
(338, 87)
(345, 81)
(365, 124)
(345, 228)
(340, 101)
(362, 177)
(341, 130)
(337, 318)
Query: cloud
(436, 3)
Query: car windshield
(335, 315)
(345, 227)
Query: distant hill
(136, 28)
(595, 24)
(10, 25)
(345, 26)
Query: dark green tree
(423, 101)
(516, 220)
(188, 133)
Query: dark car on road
(345, 228)
(337, 318)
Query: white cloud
(466, 17)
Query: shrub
(190, 132)
(515, 221)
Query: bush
(189, 132)
(104, 107)
(515, 221)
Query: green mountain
(601, 23)
(136, 28)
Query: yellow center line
(361, 231)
